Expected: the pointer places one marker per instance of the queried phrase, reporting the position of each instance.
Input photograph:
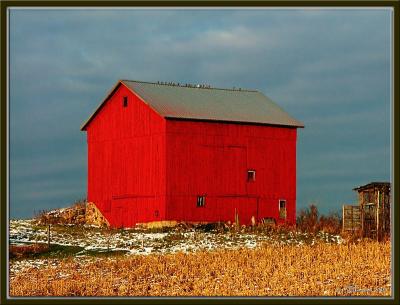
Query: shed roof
(206, 103)
(372, 185)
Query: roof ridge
(190, 86)
(205, 105)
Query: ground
(85, 260)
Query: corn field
(270, 270)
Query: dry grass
(310, 220)
(19, 251)
(75, 214)
(318, 270)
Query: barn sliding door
(233, 170)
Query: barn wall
(126, 161)
(212, 159)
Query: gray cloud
(328, 68)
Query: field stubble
(321, 269)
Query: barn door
(247, 208)
(244, 207)
(234, 170)
(369, 220)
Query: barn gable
(206, 103)
(126, 159)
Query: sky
(329, 68)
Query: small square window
(201, 201)
(251, 175)
(282, 208)
(125, 101)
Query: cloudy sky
(328, 68)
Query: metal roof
(206, 103)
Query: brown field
(271, 270)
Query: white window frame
(285, 208)
(254, 175)
(279, 203)
(201, 201)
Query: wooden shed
(163, 151)
(372, 214)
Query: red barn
(161, 151)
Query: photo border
(6, 5)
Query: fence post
(48, 236)
(236, 219)
(377, 217)
(342, 218)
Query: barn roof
(207, 103)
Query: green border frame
(210, 300)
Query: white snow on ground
(140, 242)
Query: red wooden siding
(212, 159)
(143, 167)
(126, 161)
